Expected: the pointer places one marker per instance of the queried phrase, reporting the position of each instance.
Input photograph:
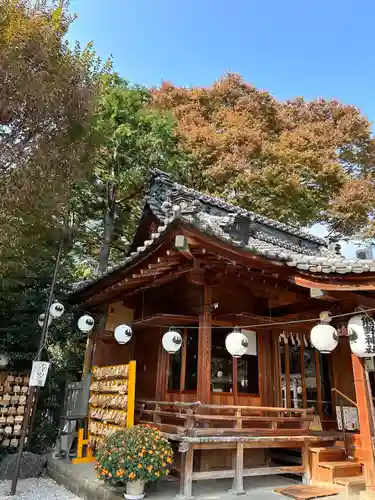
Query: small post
(237, 487)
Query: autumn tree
(46, 99)
(297, 161)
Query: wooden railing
(343, 396)
(196, 419)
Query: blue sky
(290, 48)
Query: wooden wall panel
(117, 315)
(146, 353)
(342, 369)
(162, 371)
(266, 367)
(109, 352)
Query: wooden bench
(195, 427)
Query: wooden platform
(306, 492)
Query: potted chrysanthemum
(134, 457)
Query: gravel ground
(36, 489)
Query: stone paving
(81, 480)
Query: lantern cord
(358, 310)
(290, 322)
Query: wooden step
(328, 453)
(352, 485)
(330, 471)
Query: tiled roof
(163, 182)
(237, 227)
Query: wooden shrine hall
(201, 266)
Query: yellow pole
(131, 394)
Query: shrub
(139, 452)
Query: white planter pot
(135, 490)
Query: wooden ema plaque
(14, 390)
(111, 406)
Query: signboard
(350, 418)
(39, 374)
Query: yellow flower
(169, 460)
(157, 474)
(131, 475)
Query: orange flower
(169, 460)
(140, 466)
(149, 468)
(131, 475)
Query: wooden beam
(364, 414)
(159, 281)
(162, 371)
(353, 298)
(287, 376)
(181, 244)
(204, 348)
(183, 360)
(166, 320)
(343, 284)
(319, 402)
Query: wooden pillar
(162, 372)
(365, 424)
(204, 348)
(89, 352)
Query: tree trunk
(107, 239)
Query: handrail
(344, 396)
(198, 404)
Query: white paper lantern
(236, 343)
(56, 310)
(41, 320)
(86, 323)
(324, 338)
(172, 341)
(123, 333)
(361, 333)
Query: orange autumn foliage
(296, 161)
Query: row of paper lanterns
(236, 342)
(324, 337)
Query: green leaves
(131, 139)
